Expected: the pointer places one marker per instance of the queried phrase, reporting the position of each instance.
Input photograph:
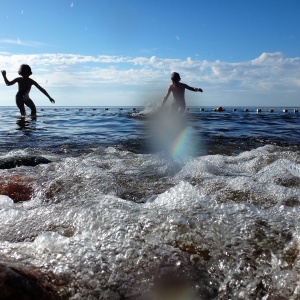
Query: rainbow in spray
(181, 144)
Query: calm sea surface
(126, 203)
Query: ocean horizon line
(142, 106)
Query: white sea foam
(294, 169)
(5, 202)
(217, 214)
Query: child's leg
(31, 105)
(20, 104)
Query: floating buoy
(296, 110)
(285, 110)
(258, 110)
(271, 110)
(219, 108)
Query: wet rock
(291, 201)
(24, 282)
(13, 162)
(16, 187)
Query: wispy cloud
(20, 42)
(8, 41)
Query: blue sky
(122, 52)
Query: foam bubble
(5, 202)
(294, 169)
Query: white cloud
(268, 58)
(269, 74)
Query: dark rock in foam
(13, 162)
(24, 282)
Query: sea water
(129, 204)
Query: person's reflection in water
(26, 125)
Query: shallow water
(121, 208)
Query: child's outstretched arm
(193, 89)
(7, 82)
(43, 91)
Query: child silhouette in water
(178, 89)
(25, 83)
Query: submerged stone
(13, 162)
(17, 188)
(24, 282)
